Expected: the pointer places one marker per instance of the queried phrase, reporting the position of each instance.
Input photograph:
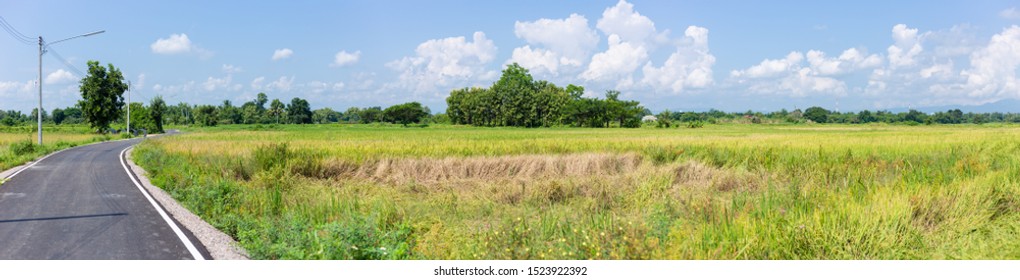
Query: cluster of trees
(296, 112)
(516, 99)
(103, 104)
(822, 115)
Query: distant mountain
(1002, 106)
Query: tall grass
(19, 144)
(719, 192)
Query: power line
(56, 55)
(14, 32)
(2, 19)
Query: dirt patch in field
(484, 168)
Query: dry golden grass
(496, 168)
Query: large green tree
(276, 110)
(515, 92)
(405, 113)
(299, 112)
(817, 114)
(102, 94)
(157, 109)
(205, 115)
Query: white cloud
(211, 84)
(256, 84)
(937, 70)
(860, 60)
(446, 62)
(803, 82)
(283, 84)
(792, 77)
(617, 62)
(230, 69)
(344, 58)
(282, 54)
(176, 43)
(188, 87)
(630, 25)
(537, 60)
(59, 77)
(1010, 13)
(558, 42)
(907, 46)
(318, 87)
(15, 88)
(771, 67)
(993, 71)
(688, 67)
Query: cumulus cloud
(771, 67)
(536, 60)
(800, 75)
(60, 77)
(344, 58)
(446, 62)
(282, 54)
(907, 46)
(178, 44)
(557, 42)
(993, 71)
(617, 62)
(630, 25)
(632, 38)
(690, 66)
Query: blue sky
(731, 55)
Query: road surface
(81, 203)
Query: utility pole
(39, 112)
(129, 109)
(42, 50)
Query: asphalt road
(81, 203)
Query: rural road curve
(81, 203)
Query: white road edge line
(65, 149)
(180, 234)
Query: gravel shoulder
(219, 245)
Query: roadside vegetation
(723, 191)
(19, 144)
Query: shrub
(22, 148)
(696, 124)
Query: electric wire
(14, 32)
(56, 55)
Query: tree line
(516, 99)
(817, 114)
